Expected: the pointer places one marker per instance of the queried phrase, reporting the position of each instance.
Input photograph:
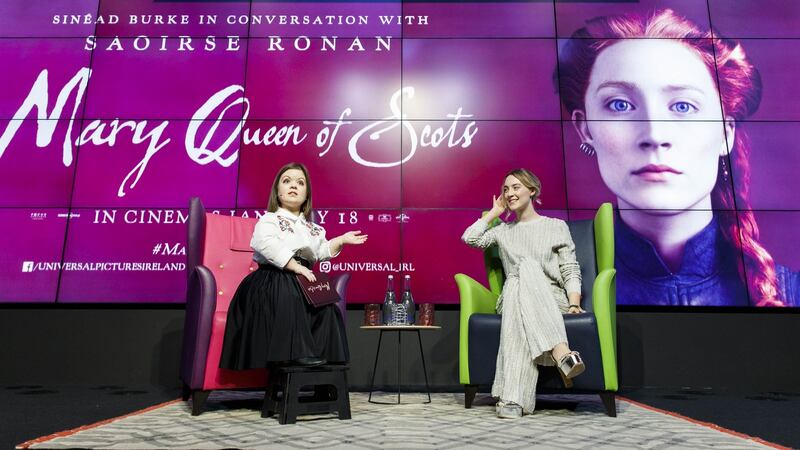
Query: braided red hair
(739, 85)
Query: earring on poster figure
(724, 167)
(587, 148)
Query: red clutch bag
(319, 293)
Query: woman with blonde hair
(543, 280)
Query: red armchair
(218, 257)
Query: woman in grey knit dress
(543, 280)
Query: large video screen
(408, 114)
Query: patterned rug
(233, 419)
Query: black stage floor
(31, 411)
(772, 416)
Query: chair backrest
(227, 253)
(594, 249)
(222, 244)
(582, 232)
(218, 256)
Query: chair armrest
(341, 281)
(474, 298)
(201, 302)
(604, 237)
(604, 302)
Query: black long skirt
(270, 321)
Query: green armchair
(593, 333)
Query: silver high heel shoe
(508, 410)
(570, 366)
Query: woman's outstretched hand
(351, 237)
(354, 238)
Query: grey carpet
(233, 420)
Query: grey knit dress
(539, 262)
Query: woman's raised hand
(354, 238)
(498, 206)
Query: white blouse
(281, 235)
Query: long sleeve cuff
(573, 285)
(473, 234)
(326, 253)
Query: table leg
(375, 367)
(424, 367)
(399, 349)
(399, 367)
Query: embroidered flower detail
(314, 229)
(285, 224)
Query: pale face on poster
(653, 115)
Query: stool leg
(268, 409)
(343, 397)
(291, 392)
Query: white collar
(286, 213)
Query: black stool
(330, 392)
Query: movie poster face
(408, 116)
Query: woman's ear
(730, 136)
(581, 125)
